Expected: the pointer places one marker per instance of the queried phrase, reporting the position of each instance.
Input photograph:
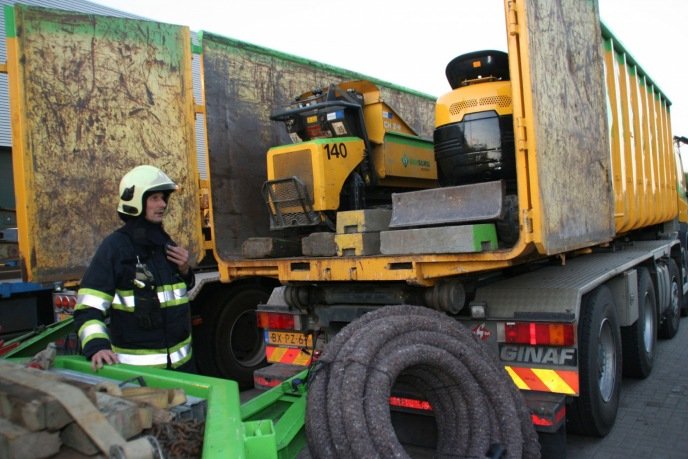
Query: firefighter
(132, 304)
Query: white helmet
(136, 183)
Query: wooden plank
(17, 442)
(122, 414)
(30, 409)
(74, 401)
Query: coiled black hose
(475, 403)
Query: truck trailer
(555, 236)
(196, 105)
(559, 308)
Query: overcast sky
(410, 43)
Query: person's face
(155, 207)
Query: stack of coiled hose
(477, 408)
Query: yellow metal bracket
(512, 19)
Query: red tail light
(539, 334)
(65, 302)
(278, 321)
(411, 403)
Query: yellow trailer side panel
(593, 131)
(644, 172)
(92, 97)
(560, 119)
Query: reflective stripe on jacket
(178, 355)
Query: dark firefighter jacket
(131, 284)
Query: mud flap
(548, 413)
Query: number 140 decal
(337, 150)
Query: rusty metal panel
(565, 117)
(94, 96)
(243, 85)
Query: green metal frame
(286, 405)
(35, 341)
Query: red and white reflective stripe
(545, 379)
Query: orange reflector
(477, 64)
(262, 381)
(539, 334)
(547, 422)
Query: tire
(684, 302)
(639, 340)
(237, 341)
(594, 411)
(507, 226)
(671, 318)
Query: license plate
(289, 339)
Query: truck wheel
(640, 339)
(238, 342)
(684, 268)
(672, 316)
(594, 411)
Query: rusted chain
(180, 439)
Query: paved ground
(653, 415)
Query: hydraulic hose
(477, 408)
